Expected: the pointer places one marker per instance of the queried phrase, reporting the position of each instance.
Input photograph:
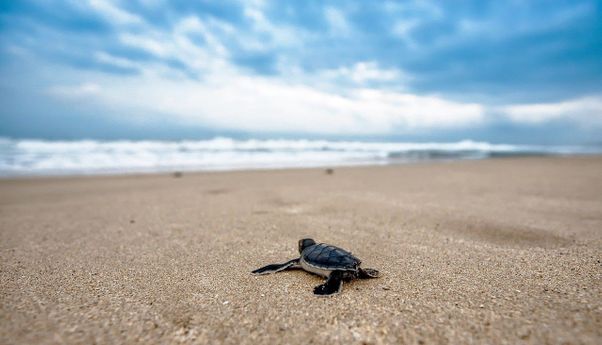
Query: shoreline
(487, 251)
(75, 157)
(193, 171)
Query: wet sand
(500, 251)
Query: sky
(497, 71)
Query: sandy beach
(500, 251)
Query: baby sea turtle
(325, 260)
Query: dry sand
(498, 251)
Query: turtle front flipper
(367, 273)
(333, 284)
(277, 267)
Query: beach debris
(177, 174)
(329, 171)
(333, 263)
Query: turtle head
(304, 243)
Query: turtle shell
(329, 257)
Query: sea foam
(42, 157)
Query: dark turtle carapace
(334, 263)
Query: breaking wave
(43, 157)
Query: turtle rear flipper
(277, 267)
(367, 273)
(333, 284)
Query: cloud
(276, 35)
(403, 28)
(116, 61)
(113, 13)
(354, 67)
(146, 43)
(587, 110)
(337, 21)
(235, 101)
(362, 72)
(176, 49)
(75, 91)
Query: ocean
(19, 157)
